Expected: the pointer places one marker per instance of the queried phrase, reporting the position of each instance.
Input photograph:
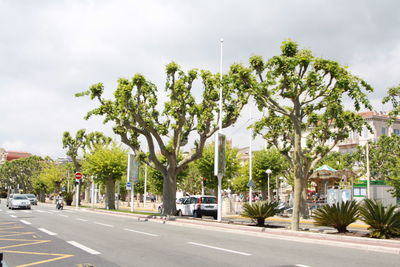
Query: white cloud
(50, 50)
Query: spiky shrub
(338, 216)
(383, 222)
(259, 211)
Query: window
(365, 132)
(359, 191)
(396, 131)
(383, 130)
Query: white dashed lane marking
(103, 224)
(222, 249)
(47, 231)
(139, 232)
(25, 222)
(85, 248)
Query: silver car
(32, 198)
(19, 201)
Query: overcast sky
(50, 50)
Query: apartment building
(379, 124)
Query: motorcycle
(59, 204)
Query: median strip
(139, 232)
(47, 231)
(85, 248)
(222, 249)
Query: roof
(11, 155)
(325, 168)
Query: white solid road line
(25, 222)
(108, 225)
(139, 232)
(82, 220)
(47, 231)
(13, 216)
(301, 265)
(89, 250)
(222, 249)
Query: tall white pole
(269, 195)
(250, 160)
(132, 196)
(93, 194)
(219, 211)
(368, 173)
(77, 194)
(145, 186)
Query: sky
(50, 50)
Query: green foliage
(50, 178)
(259, 211)
(239, 183)
(306, 98)
(68, 197)
(135, 111)
(205, 166)
(383, 222)
(84, 142)
(384, 160)
(269, 159)
(107, 163)
(394, 98)
(21, 172)
(191, 180)
(338, 216)
(338, 161)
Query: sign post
(133, 176)
(219, 168)
(78, 177)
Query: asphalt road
(112, 240)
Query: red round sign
(78, 175)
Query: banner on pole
(133, 169)
(219, 159)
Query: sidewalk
(363, 243)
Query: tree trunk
(169, 194)
(110, 193)
(304, 211)
(298, 177)
(264, 192)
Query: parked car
(178, 201)
(10, 196)
(32, 198)
(19, 201)
(198, 206)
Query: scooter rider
(59, 202)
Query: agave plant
(383, 222)
(259, 211)
(338, 216)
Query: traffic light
(204, 181)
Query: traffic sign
(251, 184)
(128, 186)
(78, 175)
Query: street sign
(219, 158)
(251, 184)
(63, 189)
(128, 186)
(133, 169)
(78, 175)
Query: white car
(198, 206)
(19, 201)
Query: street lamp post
(268, 173)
